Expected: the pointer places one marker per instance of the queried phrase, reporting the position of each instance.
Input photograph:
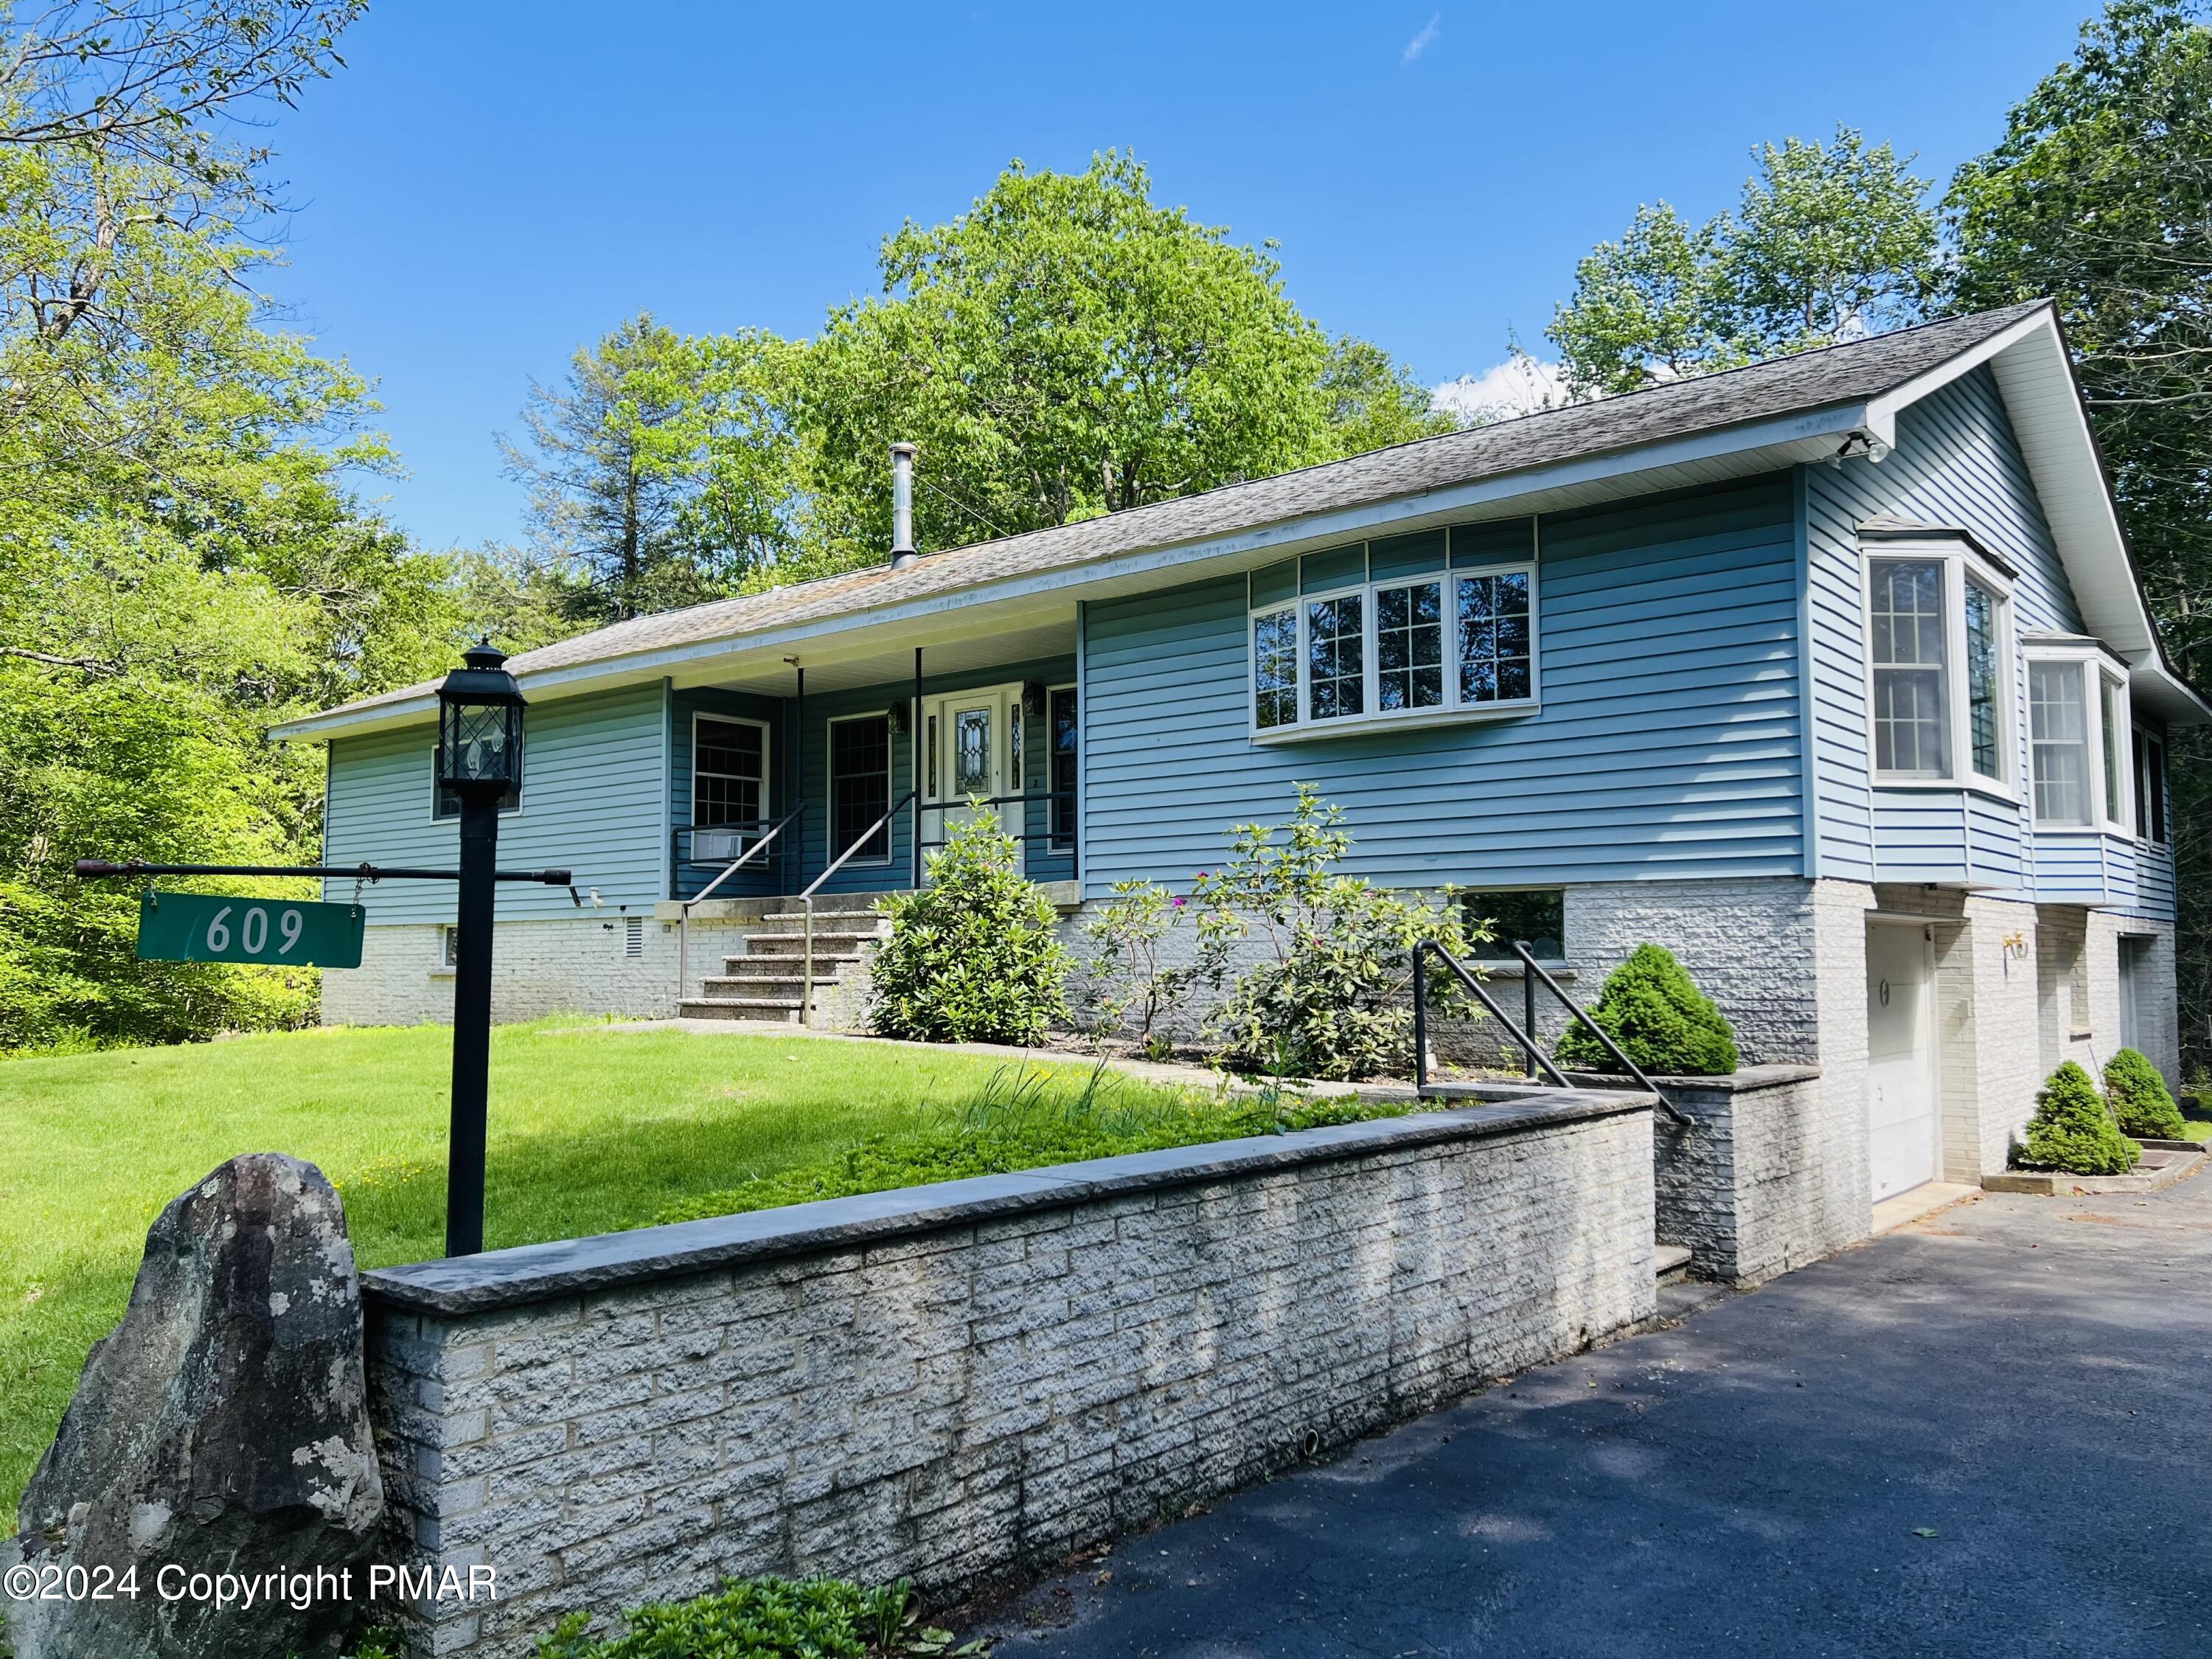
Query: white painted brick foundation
(953, 1382)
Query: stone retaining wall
(1767, 1180)
(950, 1383)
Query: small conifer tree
(2071, 1131)
(2139, 1099)
(1660, 1018)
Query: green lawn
(590, 1132)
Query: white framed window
(449, 949)
(1444, 643)
(729, 770)
(2078, 741)
(1939, 673)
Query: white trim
(1959, 562)
(768, 752)
(830, 791)
(2092, 663)
(1758, 446)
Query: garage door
(1901, 1058)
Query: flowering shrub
(974, 956)
(1126, 990)
(1330, 998)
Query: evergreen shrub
(2071, 1131)
(1650, 1006)
(2139, 1097)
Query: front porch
(843, 781)
(796, 809)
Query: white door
(1900, 1057)
(969, 753)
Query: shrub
(763, 1618)
(2072, 1131)
(1124, 984)
(972, 957)
(2139, 1099)
(1330, 1000)
(1660, 1020)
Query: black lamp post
(480, 760)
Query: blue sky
(488, 183)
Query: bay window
(2078, 736)
(1434, 625)
(1939, 668)
(2058, 729)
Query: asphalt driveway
(1986, 1435)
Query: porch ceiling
(843, 663)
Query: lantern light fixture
(480, 724)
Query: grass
(590, 1132)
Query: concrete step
(774, 990)
(871, 916)
(768, 1008)
(1672, 1262)
(825, 945)
(826, 966)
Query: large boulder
(222, 1428)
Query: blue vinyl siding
(1666, 744)
(592, 800)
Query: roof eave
(1778, 440)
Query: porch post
(799, 771)
(914, 771)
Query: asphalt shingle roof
(1850, 372)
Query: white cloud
(1427, 38)
(1519, 385)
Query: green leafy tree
(182, 560)
(2099, 196)
(1652, 1007)
(2071, 1131)
(2139, 1099)
(1328, 994)
(661, 472)
(974, 956)
(1068, 348)
(1830, 240)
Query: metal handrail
(806, 899)
(684, 909)
(1528, 963)
(1526, 1039)
(1428, 947)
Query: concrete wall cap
(535, 1273)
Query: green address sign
(219, 927)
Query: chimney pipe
(902, 553)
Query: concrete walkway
(1987, 1434)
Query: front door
(1900, 1057)
(968, 754)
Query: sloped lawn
(590, 1132)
